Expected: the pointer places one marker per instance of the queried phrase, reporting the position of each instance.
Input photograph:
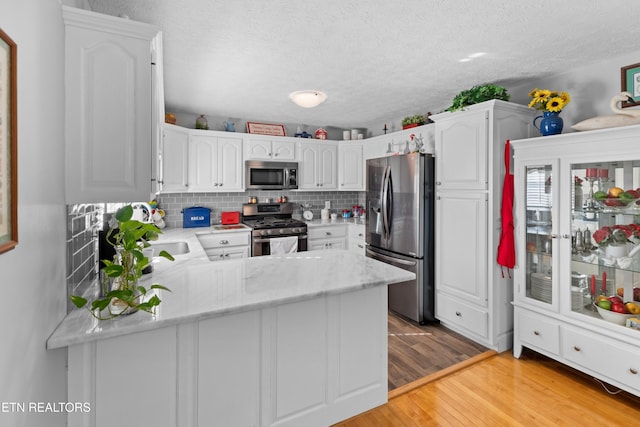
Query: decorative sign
(630, 82)
(266, 129)
(8, 145)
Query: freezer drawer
(412, 299)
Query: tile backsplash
(174, 203)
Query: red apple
(615, 299)
(618, 307)
(634, 193)
(636, 294)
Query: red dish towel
(506, 247)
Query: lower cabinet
(327, 237)
(308, 363)
(225, 246)
(591, 351)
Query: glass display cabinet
(577, 236)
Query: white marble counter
(337, 221)
(203, 289)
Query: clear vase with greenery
(121, 293)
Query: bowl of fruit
(614, 310)
(617, 199)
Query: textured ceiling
(376, 59)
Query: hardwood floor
(503, 391)
(416, 351)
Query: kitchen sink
(174, 248)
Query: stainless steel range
(274, 230)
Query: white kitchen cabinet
(215, 163)
(473, 293)
(330, 236)
(224, 246)
(318, 163)
(270, 148)
(350, 166)
(109, 91)
(174, 159)
(553, 304)
(356, 239)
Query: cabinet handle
(576, 348)
(360, 246)
(438, 183)
(458, 314)
(221, 184)
(328, 233)
(224, 242)
(633, 371)
(554, 236)
(276, 155)
(536, 333)
(221, 255)
(566, 236)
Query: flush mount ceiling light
(308, 98)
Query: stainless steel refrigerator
(400, 227)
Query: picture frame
(8, 144)
(266, 129)
(630, 82)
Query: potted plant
(121, 294)
(477, 94)
(413, 121)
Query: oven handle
(300, 237)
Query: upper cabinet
(318, 165)
(215, 162)
(174, 160)
(110, 119)
(261, 148)
(350, 166)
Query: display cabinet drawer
(611, 358)
(326, 232)
(219, 240)
(538, 332)
(456, 312)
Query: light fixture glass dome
(308, 98)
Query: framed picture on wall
(630, 82)
(8, 144)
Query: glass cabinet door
(539, 224)
(605, 236)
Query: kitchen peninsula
(290, 340)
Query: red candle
(593, 284)
(603, 173)
(592, 172)
(604, 283)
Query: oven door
(262, 245)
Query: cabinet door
(108, 94)
(537, 227)
(229, 164)
(308, 164)
(328, 167)
(174, 160)
(461, 245)
(284, 150)
(351, 166)
(203, 153)
(461, 151)
(258, 149)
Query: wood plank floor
(416, 351)
(503, 391)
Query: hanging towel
(284, 245)
(506, 247)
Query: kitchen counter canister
(290, 340)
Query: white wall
(32, 276)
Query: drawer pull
(576, 348)
(328, 233)
(224, 242)
(633, 371)
(458, 314)
(536, 333)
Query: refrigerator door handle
(385, 202)
(378, 255)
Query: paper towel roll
(324, 214)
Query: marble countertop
(203, 289)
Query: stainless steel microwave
(261, 175)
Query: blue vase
(551, 123)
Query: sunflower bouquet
(546, 100)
